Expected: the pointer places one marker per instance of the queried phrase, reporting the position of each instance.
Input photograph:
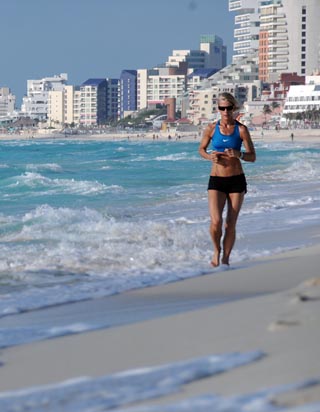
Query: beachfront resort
(274, 74)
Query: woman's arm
(205, 141)
(250, 154)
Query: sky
(100, 38)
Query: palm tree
(266, 110)
(275, 105)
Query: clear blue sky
(99, 38)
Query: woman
(227, 183)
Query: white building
(35, 104)
(244, 71)
(61, 104)
(246, 32)
(194, 58)
(212, 54)
(289, 38)
(240, 79)
(156, 85)
(201, 105)
(215, 51)
(55, 112)
(7, 102)
(93, 102)
(76, 107)
(303, 98)
(303, 17)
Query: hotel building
(289, 38)
(7, 102)
(93, 102)
(246, 32)
(35, 104)
(128, 92)
(212, 54)
(156, 85)
(302, 98)
(61, 106)
(113, 99)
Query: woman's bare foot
(215, 262)
(225, 261)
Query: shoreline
(300, 136)
(280, 317)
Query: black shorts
(229, 184)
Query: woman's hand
(219, 158)
(233, 153)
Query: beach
(181, 337)
(304, 135)
(274, 308)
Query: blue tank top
(220, 142)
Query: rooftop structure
(246, 32)
(212, 54)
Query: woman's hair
(228, 97)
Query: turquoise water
(83, 219)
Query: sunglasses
(223, 108)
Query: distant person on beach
(292, 136)
(227, 182)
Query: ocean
(81, 219)
(84, 219)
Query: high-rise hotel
(288, 38)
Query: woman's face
(225, 109)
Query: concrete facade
(7, 102)
(246, 32)
(289, 38)
(93, 102)
(35, 104)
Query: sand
(274, 307)
(284, 135)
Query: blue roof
(113, 81)
(134, 72)
(93, 82)
(203, 73)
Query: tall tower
(273, 40)
(303, 17)
(128, 92)
(216, 52)
(246, 32)
(289, 38)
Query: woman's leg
(217, 201)
(235, 201)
